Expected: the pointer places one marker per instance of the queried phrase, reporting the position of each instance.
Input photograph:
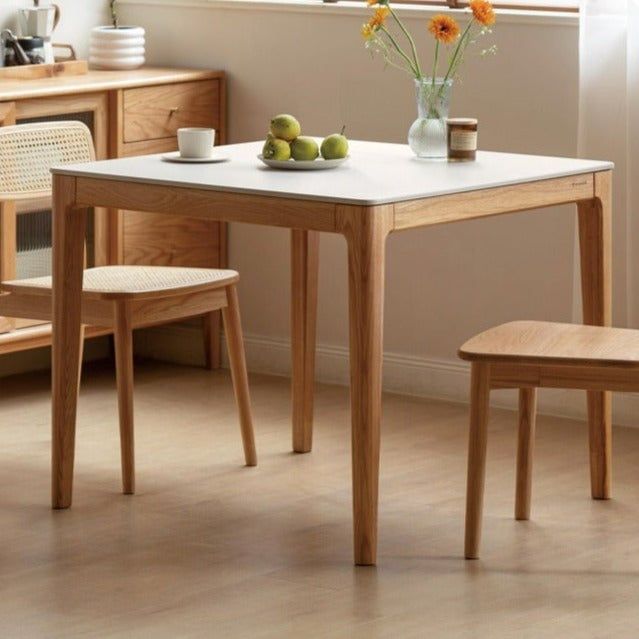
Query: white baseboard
(403, 374)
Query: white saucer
(176, 157)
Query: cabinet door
(25, 233)
(163, 240)
(7, 224)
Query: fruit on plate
(276, 149)
(335, 146)
(304, 148)
(285, 127)
(285, 142)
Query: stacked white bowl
(117, 47)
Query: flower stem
(400, 51)
(434, 74)
(388, 54)
(457, 49)
(410, 40)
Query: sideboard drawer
(156, 112)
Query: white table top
(376, 173)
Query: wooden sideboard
(129, 113)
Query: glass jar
(33, 46)
(427, 135)
(462, 139)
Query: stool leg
(124, 377)
(525, 450)
(479, 398)
(237, 361)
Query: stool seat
(528, 355)
(114, 282)
(551, 343)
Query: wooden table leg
(304, 272)
(366, 230)
(68, 262)
(595, 240)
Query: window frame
(515, 6)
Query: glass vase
(427, 135)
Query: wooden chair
(530, 355)
(119, 297)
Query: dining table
(380, 189)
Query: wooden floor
(208, 548)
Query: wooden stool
(530, 355)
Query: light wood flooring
(209, 548)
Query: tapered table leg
(68, 263)
(304, 272)
(595, 240)
(366, 230)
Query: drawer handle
(173, 111)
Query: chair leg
(211, 337)
(80, 356)
(479, 401)
(525, 450)
(237, 361)
(124, 377)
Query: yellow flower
(379, 17)
(483, 12)
(444, 28)
(367, 31)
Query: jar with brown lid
(462, 139)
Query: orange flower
(379, 17)
(370, 3)
(483, 12)
(367, 31)
(444, 28)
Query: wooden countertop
(99, 81)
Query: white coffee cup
(196, 142)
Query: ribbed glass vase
(427, 135)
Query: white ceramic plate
(176, 157)
(303, 165)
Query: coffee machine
(40, 20)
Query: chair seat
(548, 343)
(114, 282)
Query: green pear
(335, 146)
(275, 149)
(304, 148)
(285, 127)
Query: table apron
(206, 203)
(496, 201)
(323, 216)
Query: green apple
(304, 148)
(285, 127)
(335, 146)
(275, 149)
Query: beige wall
(444, 283)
